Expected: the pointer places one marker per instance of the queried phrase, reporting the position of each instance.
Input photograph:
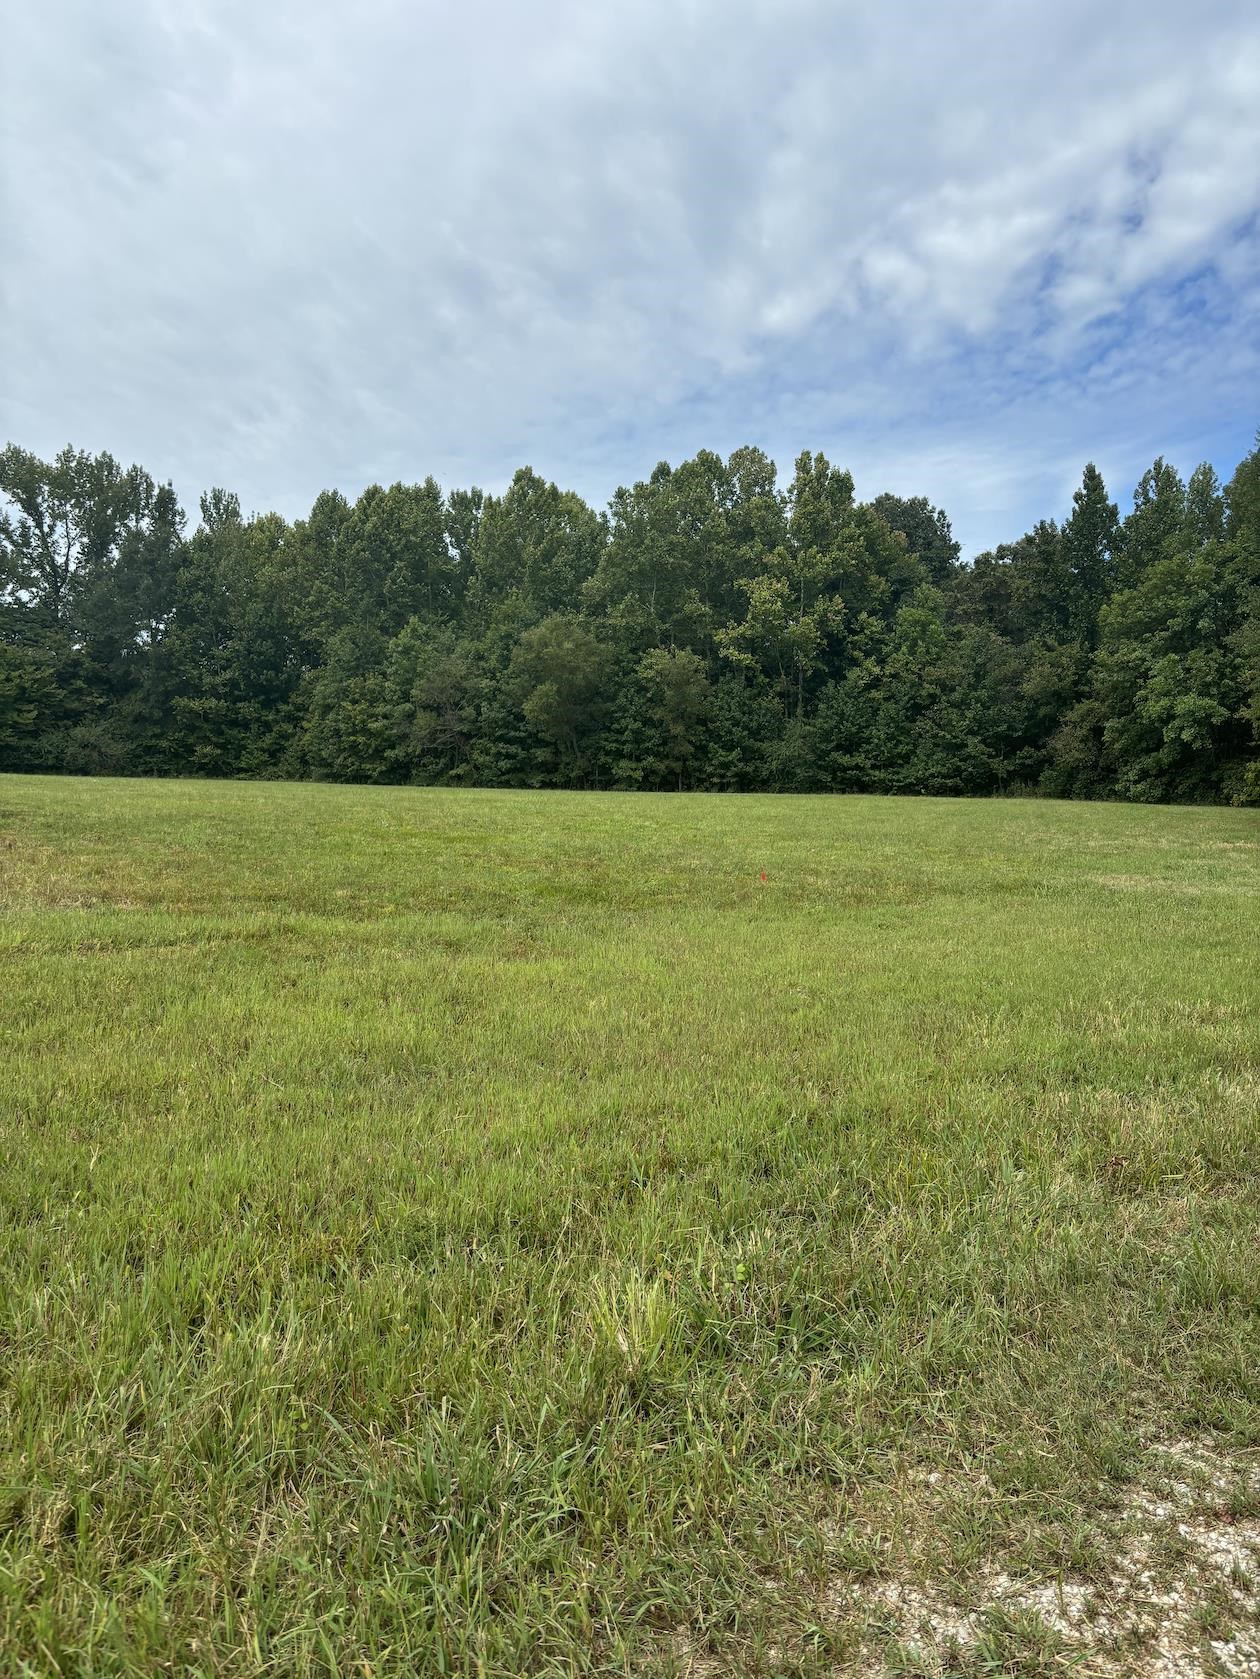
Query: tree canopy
(714, 629)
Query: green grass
(497, 1233)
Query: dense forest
(712, 629)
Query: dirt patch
(1180, 1598)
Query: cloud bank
(284, 246)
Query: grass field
(501, 1233)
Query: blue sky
(282, 246)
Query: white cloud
(286, 245)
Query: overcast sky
(288, 244)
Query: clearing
(501, 1233)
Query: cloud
(286, 246)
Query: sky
(286, 245)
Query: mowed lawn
(497, 1233)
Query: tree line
(712, 629)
